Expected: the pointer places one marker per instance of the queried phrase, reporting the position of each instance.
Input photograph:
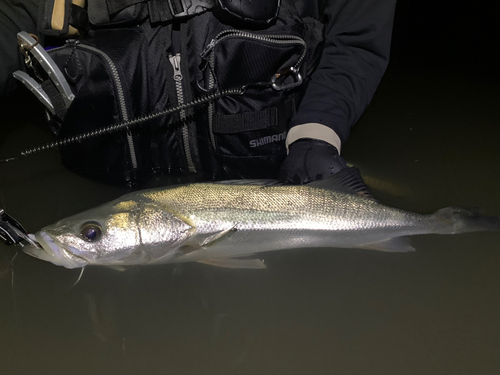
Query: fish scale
(277, 207)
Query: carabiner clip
(284, 74)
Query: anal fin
(393, 245)
(117, 268)
(235, 263)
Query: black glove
(310, 160)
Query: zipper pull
(175, 60)
(208, 48)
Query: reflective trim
(315, 131)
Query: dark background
(445, 36)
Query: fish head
(112, 234)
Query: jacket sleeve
(15, 16)
(355, 57)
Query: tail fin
(454, 220)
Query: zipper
(175, 61)
(276, 39)
(121, 95)
(211, 84)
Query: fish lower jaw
(56, 254)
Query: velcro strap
(252, 121)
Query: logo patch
(266, 140)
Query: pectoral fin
(213, 239)
(394, 245)
(252, 182)
(235, 263)
(208, 241)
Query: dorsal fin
(347, 181)
(253, 182)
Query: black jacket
(355, 56)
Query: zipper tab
(176, 65)
(208, 48)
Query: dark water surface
(430, 139)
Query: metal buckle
(285, 73)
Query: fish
(228, 223)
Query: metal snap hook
(282, 75)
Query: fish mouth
(53, 252)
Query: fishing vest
(172, 86)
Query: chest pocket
(252, 144)
(248, 132)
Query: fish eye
(91, 231)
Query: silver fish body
(216, 221)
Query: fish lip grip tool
(13, 233)
(30, 47)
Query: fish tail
(452, 220)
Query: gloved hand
(310, 160)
